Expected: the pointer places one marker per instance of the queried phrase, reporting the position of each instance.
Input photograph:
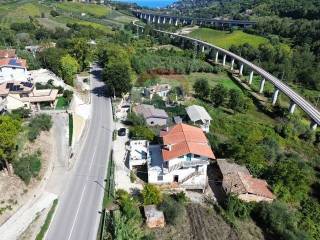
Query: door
(176, 178)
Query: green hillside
(225, 39)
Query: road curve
(77, 215)
(307, 107)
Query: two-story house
(182, 159)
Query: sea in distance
(150, 3)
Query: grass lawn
(62, 103)
(91, 9)
(213, 79)
(65, 20)
(20, 12)
(225, 39)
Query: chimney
(169, 146)
(167, 129)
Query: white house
(24, 95)
(182, 159)
(13, 69)
(199, 116)
(139, 153)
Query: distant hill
(296, 9)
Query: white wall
(13, 74)
(14, 102)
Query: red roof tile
(7, 53)
(17, 62)
(185, 139)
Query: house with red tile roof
(182, 158)
(236, 179)
(12, 68)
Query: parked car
(122, 132)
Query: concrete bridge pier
(251, 77)
(232, 64)
(176, 22)
(164, 20)
(217, 56)
(275, 96)
(170, 21)
(292, 107)
(224, 60)
(202, 48)
(149, 18)
(241, 70)
(158, 19)
(263, 81)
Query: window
(181, 156)
(160, 178)
(189, 157)
(196, 156)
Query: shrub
(141, 132)
(129, 206)
(21, 113)
(135, 119)
(237, 208)
(67, 94)
(133, 177)
(70, 116)
(41, 122)
(151, 194)
(173, 210)
(278, 220)
(27, 166)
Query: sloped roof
(256, 186)
(185, 139)
(14, 62)
(148, 111)
(7, 53)
(197, 113)
(227, 167)
(237, 179)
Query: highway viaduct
(177, 20)
(279, 86)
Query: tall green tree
(82, 51)
(9, 129)
(201, 88)
(218, 95)
(117, 76)
(68, 68)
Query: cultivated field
(225, 39)
(78, 8)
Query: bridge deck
(307, 107)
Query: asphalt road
(77, 215)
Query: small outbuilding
(199, 116)
(153, 116)
(154, 217)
